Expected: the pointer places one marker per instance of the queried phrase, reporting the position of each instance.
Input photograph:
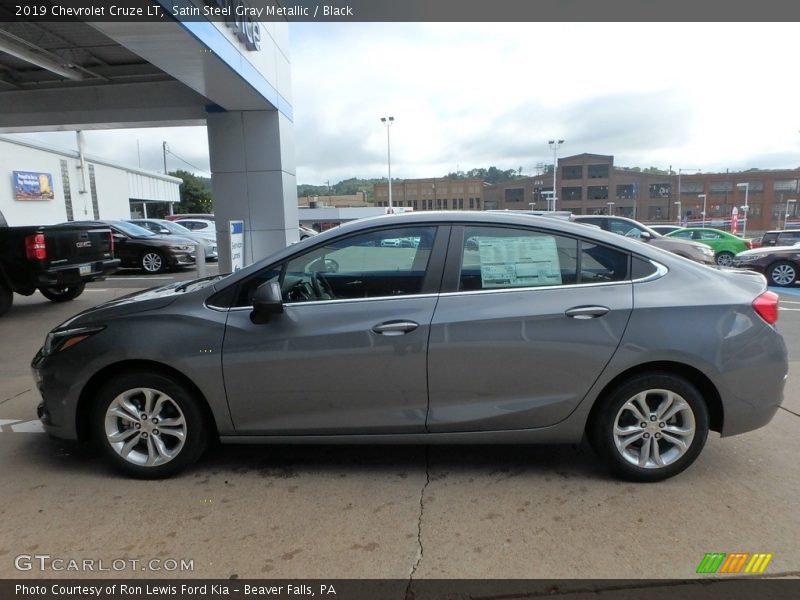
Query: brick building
(433, 194)
(591, 184)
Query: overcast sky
(706, 96)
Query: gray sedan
(486, 328)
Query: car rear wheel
(152, 261)
(149, 425)
(63, 294)
(782, 273)
(651, 427)
(725, 259)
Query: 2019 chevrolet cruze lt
(486, 328)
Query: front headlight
(749, 258)
(184, 248)
(58, 341)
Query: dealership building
(44, 186)
(232, 76)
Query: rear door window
(498, 257)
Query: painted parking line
(18, 426)
(783, 290)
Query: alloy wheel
(654, 429)
(152, 262)
(783, 274)
(145, 427)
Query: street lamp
(746, 206)
(680, 218)
(610, 207)
(388, 121)
(786, 216)
(555, 145)
(703, 196)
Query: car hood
(139, 302)
(164, 240)
(771, 250)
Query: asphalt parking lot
(385, 512)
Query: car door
(348, 354)
(525, 324)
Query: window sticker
(519, 261)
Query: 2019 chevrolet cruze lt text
(485, 328)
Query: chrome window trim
(661, 270)
(337, 301)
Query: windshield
(131, 229)
(174, 227)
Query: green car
(725, 245)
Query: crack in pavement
(420, 548)
(17, 396)
(791, 412)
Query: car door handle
(586, 312)
(395, 327)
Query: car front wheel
(152, 261)
(724, 259)
(782, 273)
(651, 427)
(149, 425)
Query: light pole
(555, 145)
(680, 217)
(703, 196)
(610, 207)
(786, 216)
(746, 206)
(388, 121)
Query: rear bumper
(76, 273)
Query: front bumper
(179, 258)
(58, 410)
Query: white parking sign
(237, 245)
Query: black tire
(142, 435)
(6, 299)
(725, 259)
(152, 262)
(620, 451)
(782, 273)
(63, 294)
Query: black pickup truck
(58, 260)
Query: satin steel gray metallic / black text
(427, 328)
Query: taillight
(766, 305)
(749, 244)
(35, 248)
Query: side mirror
(646, 236)
(118, 237)
(267, 301)
(164, 230)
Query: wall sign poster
(32, 186)
(519, 262)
